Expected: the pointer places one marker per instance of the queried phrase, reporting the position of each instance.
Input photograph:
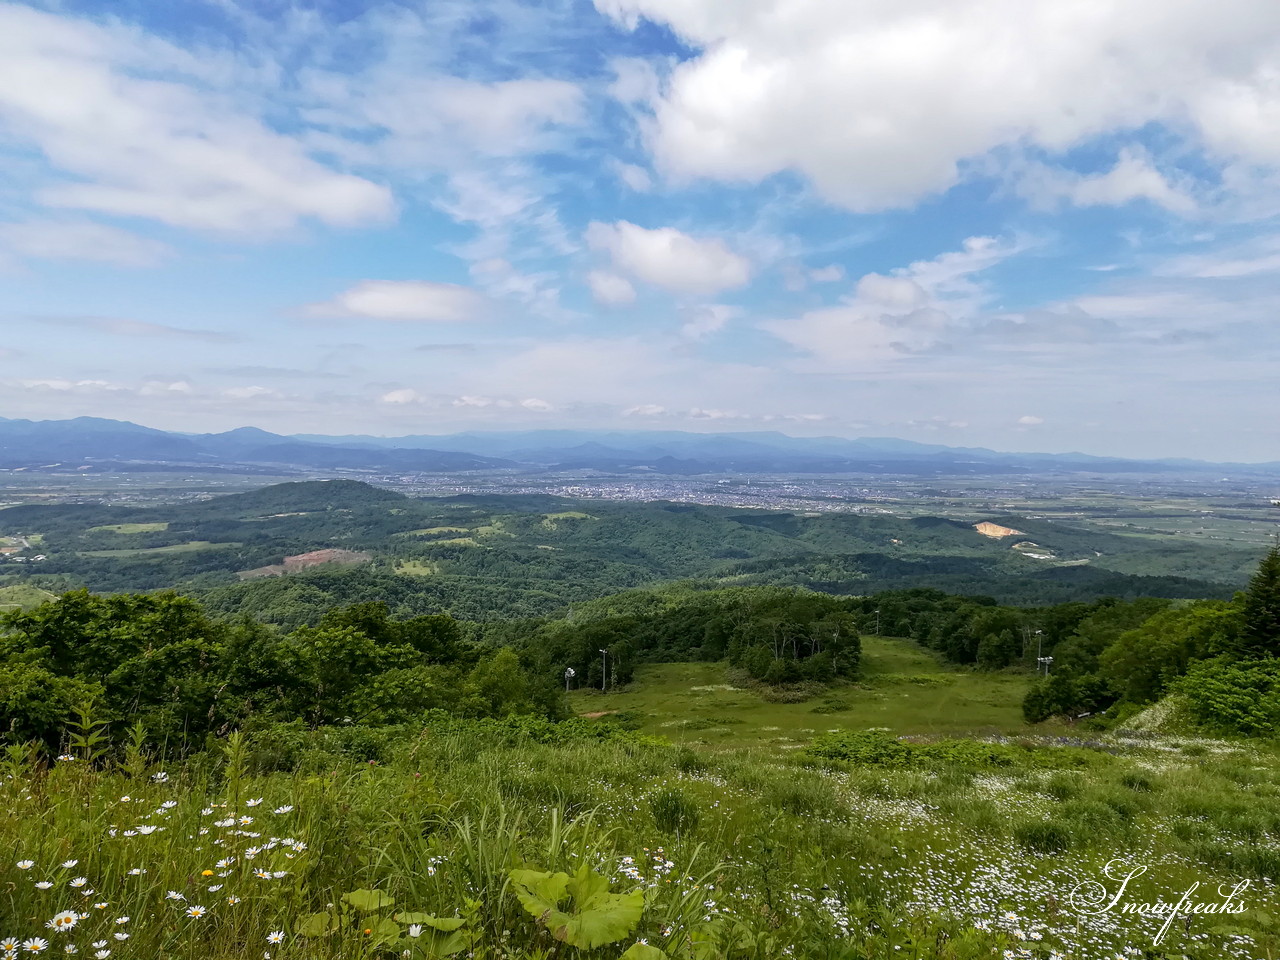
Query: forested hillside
(496, 557)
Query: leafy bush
(1242, 697)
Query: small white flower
(35, 945)
(147, 829)
(253, 803)
(25, 864)
(275, 936)
(68, 864)
(174, 895)
(122, 919)
(121, 935)
(195, 911)
(79, 881)
(287, 808)
(44, 884)
(415, 929)
(102, 954)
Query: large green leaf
(643, 951)
(318, 924)
(368, 901)
(596, 916)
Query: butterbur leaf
(539, 891)
(383, 930)
(643, 951)
(318, 924)
(596, 916)
(368, 901)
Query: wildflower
(262, 874)
(64, 920)
(245, 820)
(102, 954)
(195, 911)
(44, 884)
(280, 873)
(8, 945)
(275, 936)
(215, 888)
(70, 948)
(147, 829)
(79, 882)
(174, 895)
(137, 872)
(287, 808)
(160, 777)
(233, 900)
(25, 864)
(253, 803)
(122, 920)
(168, 804)
(223, 864)
(100, 906)
(415, 929)
(206, 811)
(68, 864)
(65, 757)
(35, 945)
(121, 935)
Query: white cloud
(610, 288)
(1029, 421)
(707, 320)
(645, 410)
(670, 259)
(402, 396)
(80, 240)
(536, 405)
(1134, 177)
(249, 393)
(403, 300)
(922, 88)
(637, 178)
(905, 312)
(828, 274)
(133, 127)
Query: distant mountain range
(94, 444)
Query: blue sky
(1011, 223)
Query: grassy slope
(904, 688)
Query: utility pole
(604, 676)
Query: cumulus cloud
(707, 320)
(609, 288)
(1030, 421)
(403, 300)
(131, 124)
(1134, 177)
(923, 88)
(669, 258)
(402, 396)
(890, 315)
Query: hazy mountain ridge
(94, 443)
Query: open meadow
(748, 829)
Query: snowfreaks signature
(1092, 898)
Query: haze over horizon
(1014, 224)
